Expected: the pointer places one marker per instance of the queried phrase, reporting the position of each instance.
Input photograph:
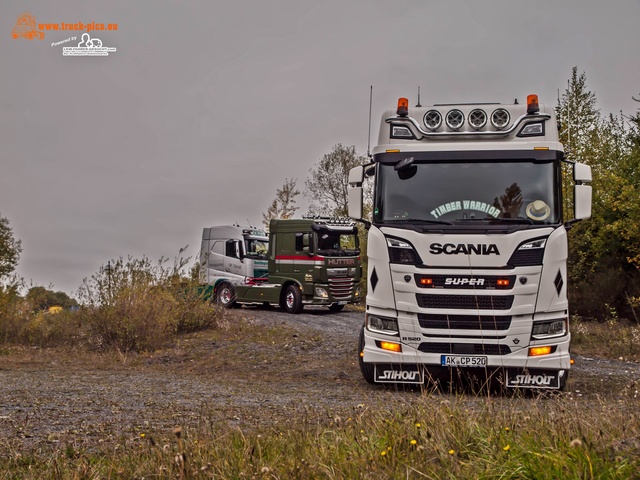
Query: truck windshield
(459, 193)
(337, 244)
(256, 248)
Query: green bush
(134, 305)
(128, 305)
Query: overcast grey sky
(206, 106)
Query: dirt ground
(260, 371)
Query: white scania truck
(468, 245)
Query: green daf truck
(309, 261)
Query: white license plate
(342, 302)
(463, 361)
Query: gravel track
(256, 373)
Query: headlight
(402, 252)
(386, 325)
(322, 292)
(537, 243)
(532, 130)
(549, 329)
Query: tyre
(335, 308)
(292, 299)
(366, 368)
(563, 381)
(226, 295)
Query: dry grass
(432, 437)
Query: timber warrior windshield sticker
(466, 205)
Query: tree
(41, 298)
(578, 116)
(283, 206)
(326, 189)
(10, 249)
(604, 251)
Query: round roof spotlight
(500, 118)
(454, 119)
(433, 119)
(477, 118)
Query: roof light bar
(454, 119)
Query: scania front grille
(465, 302)
(465, 322)
(476, 282)
(341, 287)
(465, 348)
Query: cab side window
(231, 249)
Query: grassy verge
(544, 438)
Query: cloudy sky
(206, 106)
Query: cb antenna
(418, 105)
(569, 118)
(369, 139)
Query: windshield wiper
(493, 221)
(523, 220)
(420, 220)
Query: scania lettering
(466, 249)
(467, 244)
(293, 266)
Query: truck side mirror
(354, 192)
(582, 194)
(306, 244)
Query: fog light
(390, 346)
(536, 351)
(322, 292)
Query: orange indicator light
(535, 351)
(502, 282)
(426, 281)
(392, 347)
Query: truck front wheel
(365, 368)
(292, 299)
(226, 295)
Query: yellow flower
(452, 451)
(142, 435)
(389, 448)
(506, 448)
(418, 425)
(413, 442)
(506, 429)
(383, 453)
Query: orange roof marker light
(403, 107)
(532, 104)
